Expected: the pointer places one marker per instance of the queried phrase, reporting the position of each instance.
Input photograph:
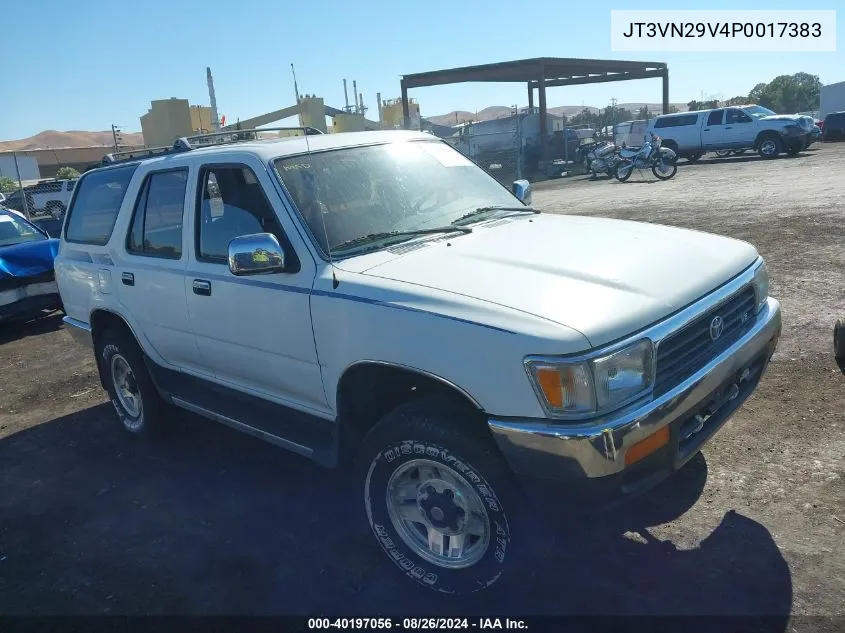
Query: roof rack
(188, 143)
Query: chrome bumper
(79, 331)
(551, 450)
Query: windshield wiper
(373, 237)
(488, 209)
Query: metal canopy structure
(538, 74)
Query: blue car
(27, 281)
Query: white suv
(376, 295)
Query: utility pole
(20, 184)
(115, 134)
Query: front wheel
(439, 498)
(770, 147)
(623, 172)
(669, 170)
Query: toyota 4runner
(377, 299)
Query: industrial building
(831, 99)
(169, 119)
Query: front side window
(350, 198)
(96, 203)
(737, 116)
(156, 228)
(14, 230)
(232, 204)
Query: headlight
(761, 285)
(592, 387)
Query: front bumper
(694, 411)
(29, 301)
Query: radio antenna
(335, 282)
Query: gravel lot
(212, 521)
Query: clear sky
(86, 65)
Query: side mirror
(257, 254)
(522, 190)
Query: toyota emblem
(716, 327)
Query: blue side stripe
(245, 281)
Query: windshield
(396, 187)
(16, 231)
(758, 112)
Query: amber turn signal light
(646, 447)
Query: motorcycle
(661, 160)
(600, 158)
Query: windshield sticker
(296, 166)
(445, 155)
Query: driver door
(739, 129)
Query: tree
(643, 112)
(736, 101)
(694, 105)
(7, 185)
(672, 109)
(67, 173)
(788, 93)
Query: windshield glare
(401, 186)
(16, 231)
(758, 112)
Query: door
(739, 129)
(713, 133)
(150, 271)
(254, 332)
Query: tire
(56, 210)
(429, 453)
(694, 157)
(673, 170)
(623, 178)
(770, 146)
(839, 340)
(138, 405)
(724, 153)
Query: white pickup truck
(692, 134)
(377, 298)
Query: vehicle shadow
(209, 521)
(742, 158)
(14, 330)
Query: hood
(605, 278)
(780, 117)
(28, 259)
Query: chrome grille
(687, 350)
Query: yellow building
(392, 117)
(169, 119)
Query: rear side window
(156, 228)
(96, 203)
(676, 121)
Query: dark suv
(834, 127)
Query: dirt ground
(214, 522)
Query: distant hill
(52, 139)
(497, 112)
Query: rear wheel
(694, 157)
(770, 146)
(724, 153)
(439, 498)
(138, 406)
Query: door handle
(128, 279)
(202, 287)
(729, 127)
(707, 129)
